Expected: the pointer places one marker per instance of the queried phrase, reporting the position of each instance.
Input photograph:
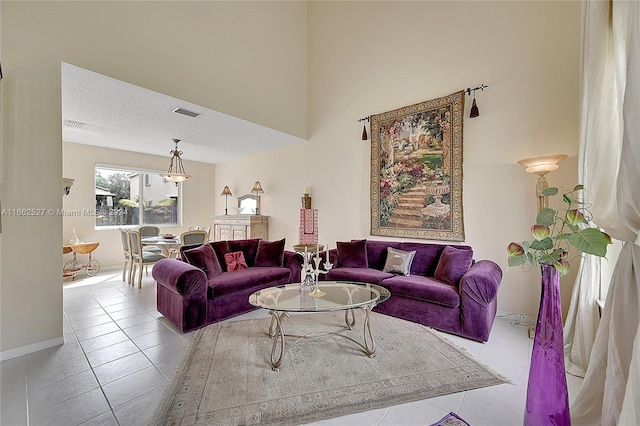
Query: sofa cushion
(363, 275)
(248, 247)
(204, 258)
(258, 277)
(398, 261)
(270, 253)
(377, 252)
(221, 248)
(235, 261)
(423, 288)
(352, 254)
(426, 258)
(453, 264)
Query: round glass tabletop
(328, 296)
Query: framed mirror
(248, 204)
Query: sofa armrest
(481, 282)
(293, 261)
(180, 277)
(478, 299)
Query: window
(135, 197)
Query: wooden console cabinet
(240, 227)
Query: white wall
(371, 57)
(198, 195)
(256, 61)
(246, 59)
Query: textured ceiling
(102, 111)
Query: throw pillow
(235, 261)
(453, 264)
(398, 261)
(270, 253)
(352, 254)
(203, 257)
(220, 248)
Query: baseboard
(34, 347)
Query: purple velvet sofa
(443, 288)
(199, 289)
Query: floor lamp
(540, 166)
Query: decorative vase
(547, 397)
(74, 239)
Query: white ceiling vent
(74, 124)
(185, 111)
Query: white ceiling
(114, 114)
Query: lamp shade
(542, 164)
(257, 188)
(226, 191)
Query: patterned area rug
(226, 377)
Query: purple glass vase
(547, 397)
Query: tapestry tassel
(474, 109)
(364, 128)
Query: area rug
(225, 377)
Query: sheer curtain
(599, 124)
(611, 388)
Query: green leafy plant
(555, 231)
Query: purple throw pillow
(203, 257)
(248, 247)
(453, 264)
(270, 253)
(352, 254)
(220, 248)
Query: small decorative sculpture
(306, 198)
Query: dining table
(168, 245)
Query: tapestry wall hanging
(416, 170)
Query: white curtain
(583, 316)
(599, 124)
(610, 393)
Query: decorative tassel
(474, 109)
(364, 132)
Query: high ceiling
(102, 111)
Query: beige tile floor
(120, 353)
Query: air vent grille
(185, 111)
(74, 124)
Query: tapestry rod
(481, 87)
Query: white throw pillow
(398, 261)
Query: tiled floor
(120, 353)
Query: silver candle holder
(316, 292)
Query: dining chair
(194, 228)
(126, 249)
(150, 231)
(140, 258)
(189, 238)
(207, 229)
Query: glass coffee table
(326, 296)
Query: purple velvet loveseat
(199, 289)
(443, 288)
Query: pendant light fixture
(176, 169)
